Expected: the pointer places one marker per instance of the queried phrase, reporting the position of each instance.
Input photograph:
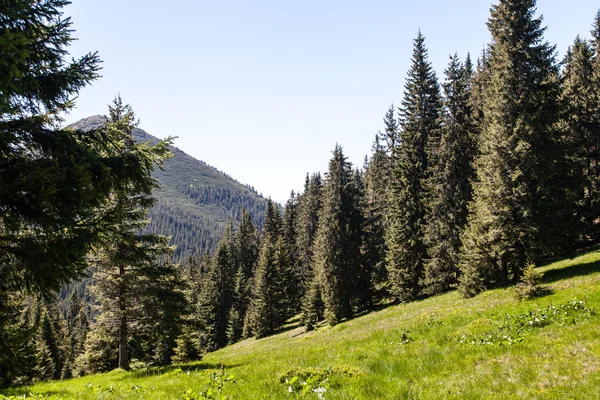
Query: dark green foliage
(581, 102)
(313, 308)
(419, 123)
(246, 256)
(17, 331)
(137, 291)
(377, 183)
(45, 367)
(448, 184)
(77, 324)
(186, 349)
(50, 344)
(101, 347)
(292, 275)
(189, 343)
(308, 222)
(52, 180)
(215, 296)
(523, 196)
(269, 305)
(337, 258)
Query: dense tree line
(474, 177)
(471, 179)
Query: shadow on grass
(554, 275)
(25, 391)
(183, 368)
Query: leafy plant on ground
(402, 337)
(313, 381)
(214, 388)
(511, 329)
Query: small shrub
(529, 286)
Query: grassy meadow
(492, 346)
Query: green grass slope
(446, 347)
(195, 201)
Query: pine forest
(110, 258)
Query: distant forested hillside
(195, 200)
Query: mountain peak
(195, 201)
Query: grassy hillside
(195, 200)
(491, 346)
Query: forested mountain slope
(195, 201)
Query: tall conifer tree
(521, 202)
(448, 184)
(246, 249)
(215, 297)
(581, 102)
(308, 222)
(377, 183)
(419, 116)
(268, 307)
(128, 261)
(337, 256)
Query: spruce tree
(308, 222)
(376, 194)
(268, 307)
(390, 138)
(290, 264)
(337, 259)
(246, 248)
(78, 325)
(128, 260)
(522, 200)
(51, 352)
(581, 102)
(448, 184)
(45, 368)
(215, 296)
(191, 340)
(419, 115)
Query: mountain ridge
(195, 201)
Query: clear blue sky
(263, 90)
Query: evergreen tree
(215, 296)
(581, 102)
(390, 138)
(77, 322)
(377, 173)
(45, 368)
(190, 342)
(18, 329)
(522, 193)
(101, 346)
(308, 222)
(128, 267)
(448, 184)
(337, 258)
(419, 124)
(246, 248)
(268, 307)
(289, 263)
(50, 352)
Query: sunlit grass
(410, 351)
